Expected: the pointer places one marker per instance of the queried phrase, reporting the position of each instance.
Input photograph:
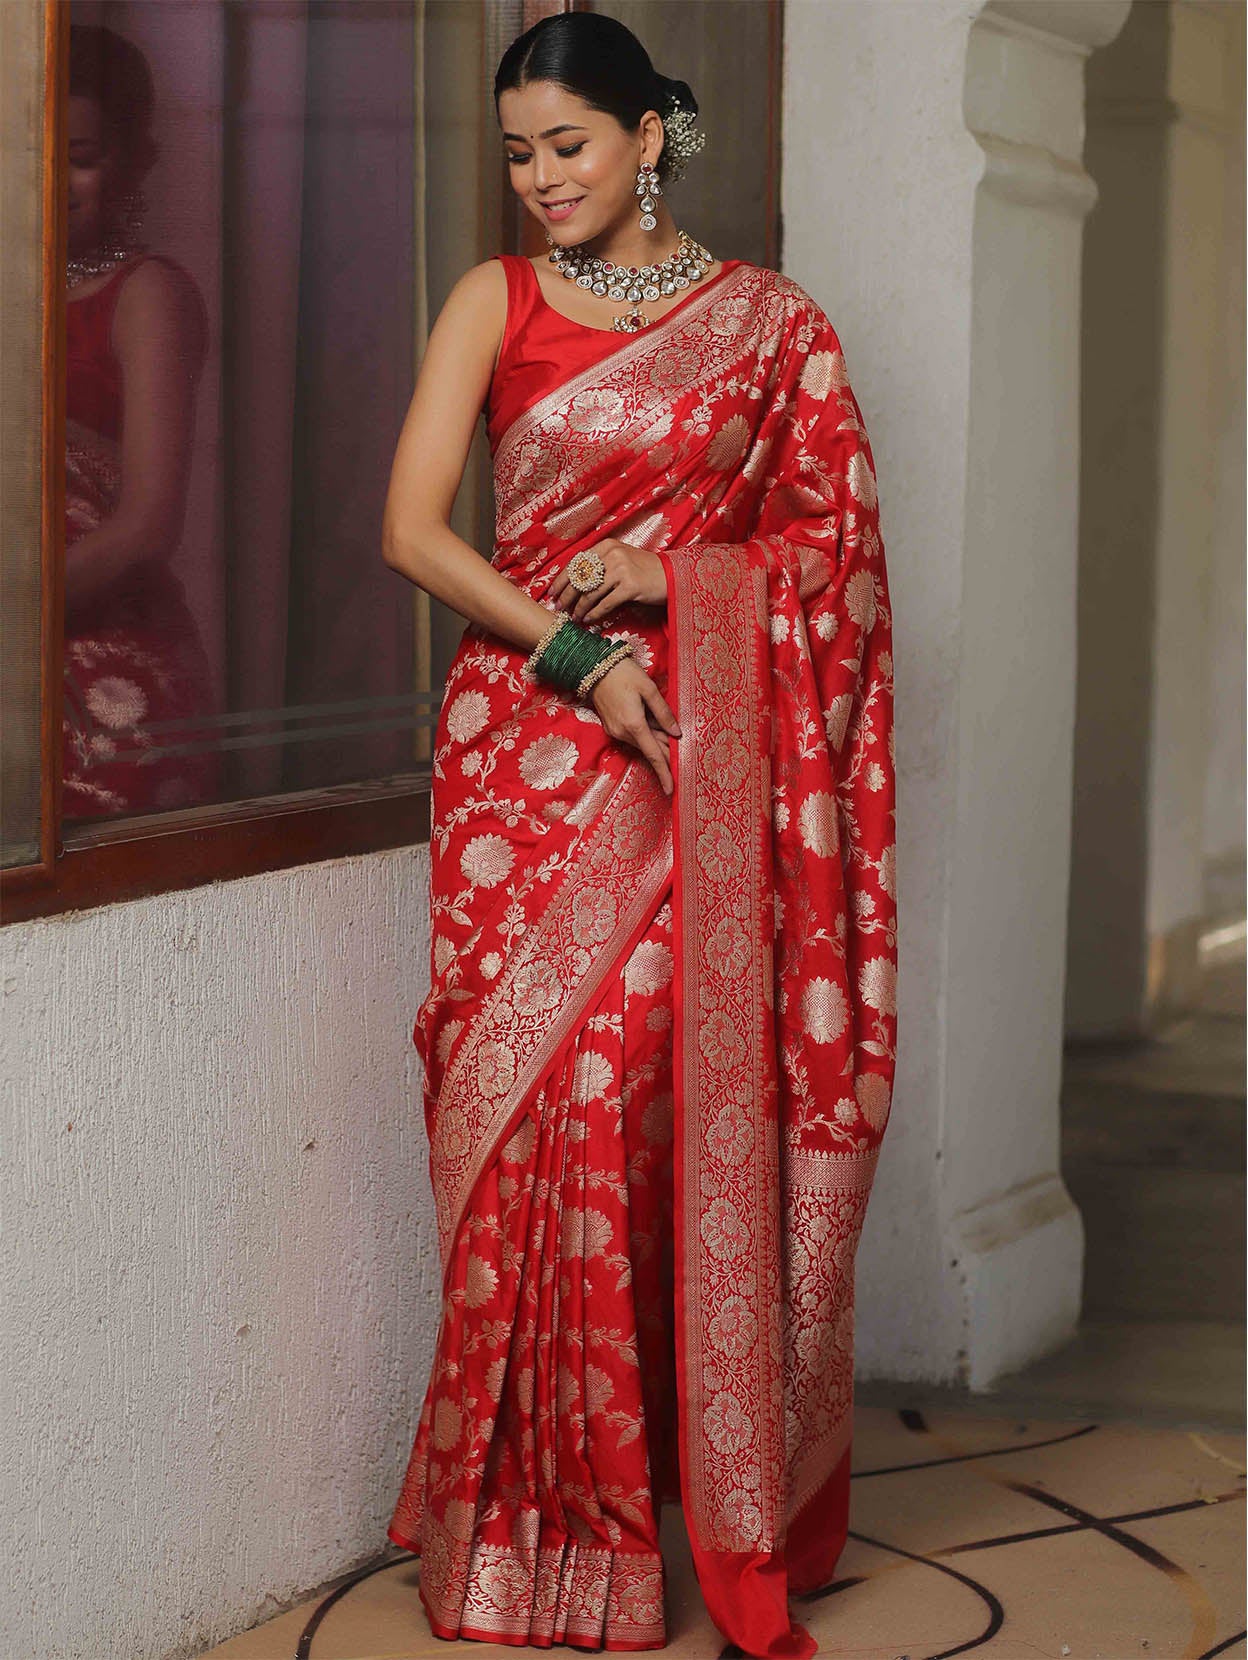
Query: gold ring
(587, 572)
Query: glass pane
(259, 236)
(21, 400)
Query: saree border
(732, 1430)
(661, 334)
(581, 1594)
(628, 856)
(816, 1177)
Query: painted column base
(1020, 1260)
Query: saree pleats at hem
(534, 1491)
(580, 1596)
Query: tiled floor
(1089, 1507)
(1006, 1538)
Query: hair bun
(680, 92)
(681, 138)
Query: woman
(659, 1041)
(136, 335)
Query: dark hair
(105, 66)
(599, 59)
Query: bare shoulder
(159, 293)
(478, 302)
(480, 283)
(158, 280)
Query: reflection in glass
(137, 334)
(268, 200)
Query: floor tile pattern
(1002, 1538)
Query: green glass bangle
(568, 648)
(570, 655)
(569, 667)
(623, 649)
(561, 621)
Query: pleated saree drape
(659, 1042)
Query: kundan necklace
(94, 265)
(633, 283)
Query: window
(236, 219)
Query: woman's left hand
(635, 576)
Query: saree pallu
(659, 1042)
(134, 661)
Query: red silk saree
(659, 1042)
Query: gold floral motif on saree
(727, 440)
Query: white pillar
(1159, 768)
(933, 201)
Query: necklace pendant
(606, 279)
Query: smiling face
(560, 152)
(93, 174)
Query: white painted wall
(1158, 832)
(878, 201)
(219, 1267)
(933, 199)
(1120, 418)
(1225, 783)
(1204, 69)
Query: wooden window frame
(121, 859)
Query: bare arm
(158, 339)
(429, 462)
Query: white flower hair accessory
(680, 140)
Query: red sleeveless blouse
(134, 655)
(541, 348)
(93, 392)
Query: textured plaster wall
(217, 1252)
(1158, 828)
(879, 187)
(933, 199)
(1225, 784)
(1203, 156)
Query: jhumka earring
(133, 207)
(648, 187)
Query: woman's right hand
(626, 697)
